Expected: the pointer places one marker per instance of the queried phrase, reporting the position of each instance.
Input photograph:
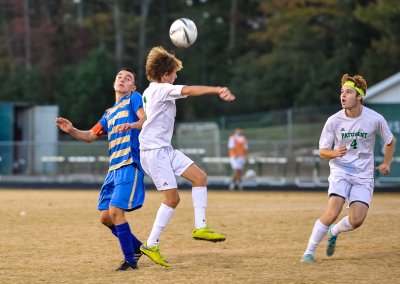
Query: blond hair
(160, 62)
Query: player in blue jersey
(123, 189)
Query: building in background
(27, 133)
(384, 98)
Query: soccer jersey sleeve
(101, 127)
(136, 102)
(231, 143)
(173, 92)
(231, 147)
(327, 136)
(384, 131)
(246, 146)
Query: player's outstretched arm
(223, 92)
(81, 135)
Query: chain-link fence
(283, 148)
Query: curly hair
(358, 81)
(160, 62)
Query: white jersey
(160, 109)
(358, 135)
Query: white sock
(199, 197)
(318, 233)
(164, 215)
(342, 226)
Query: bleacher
(298, 165)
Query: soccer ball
(183, 32)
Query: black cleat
(127, 266)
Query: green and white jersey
(160, 109)
(358, 135)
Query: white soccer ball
(183, 32)
(250, 175)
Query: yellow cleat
(208, 235)
(154, 254)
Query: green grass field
(57, 239)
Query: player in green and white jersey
(348, 141)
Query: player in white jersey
(160, 160)
(351, 132)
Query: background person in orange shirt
(238, 148)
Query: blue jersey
(123, 147)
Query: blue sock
(125, 240)
(135, 242)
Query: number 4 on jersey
(353, 144)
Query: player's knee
(200, 179)
(172, 201)
(117, 215)
(102, 220)
(356, 221)
(329, 217)
(176, 200)
(105, 220)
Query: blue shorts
(123, 188)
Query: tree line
(273, 54)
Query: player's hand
(126, 126)
(123, 127)
(383, 169)
(341, 151)
(64, 124)
(225, 94)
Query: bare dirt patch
(53, 236)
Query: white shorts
(163, 165)
(351, 188)
(237, 163)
